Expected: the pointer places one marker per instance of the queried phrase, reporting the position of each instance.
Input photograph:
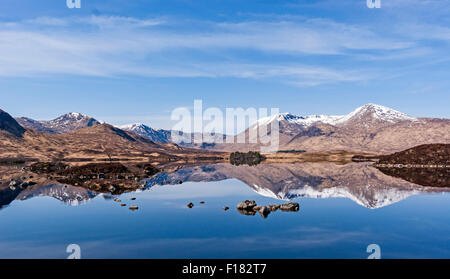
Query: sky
(136, 61)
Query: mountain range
(369, 128)
(65, 123)
(99, 142)
(162, 136)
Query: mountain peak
(63, 124)
(10, 125)
(378, 113)
(147, 132)
(73, 115)
(367, 113)
(134, 126)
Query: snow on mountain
(160, 136)
(378, 199)
(63, 124)
(71, 121)
(375, 112)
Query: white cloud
(115, 46)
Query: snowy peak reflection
(359, 182)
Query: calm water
(335, 220)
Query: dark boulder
(246, 205)
(290, 206)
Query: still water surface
(335, 220)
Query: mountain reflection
(360, 182)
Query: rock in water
(14, 183)
(290, 206)
(264, 211)
(134, 207)
(257, 208)
(273, 207)
(246, 205)
(190, 205)
(226, 208)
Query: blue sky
(135, 61)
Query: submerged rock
(290, 206)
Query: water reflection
(436, 177)
(359, 182)
(164, 227)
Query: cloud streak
(111, 46)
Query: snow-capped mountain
(160, 136)
(375, 112)
(366, 113)
(369, 128)
(63, 124)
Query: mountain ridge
(369, 128)
(10, 125)
(63, 124)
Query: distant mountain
(34, 125)
(367, 114)
(99, 142)
(161, 136)
(9, 125)
(63, 124)
(165, 136)
(370, 128)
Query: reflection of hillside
(65, 193)
(436, 177)
(361, 183)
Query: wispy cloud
(112, 46)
